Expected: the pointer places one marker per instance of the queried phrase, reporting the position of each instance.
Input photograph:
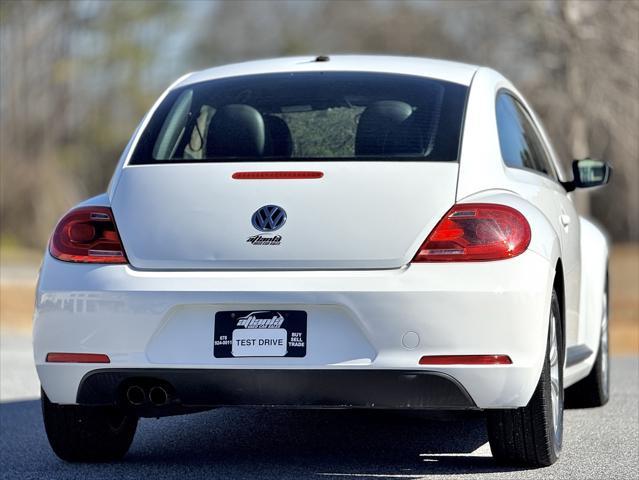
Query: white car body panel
(152, 199)
(478, 173)
(594, 260)
(361, 292)
(441, 69)
(131, 315)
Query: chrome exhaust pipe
(135, 395)
(158, 396)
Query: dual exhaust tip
(157, 396)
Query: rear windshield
(307, 116)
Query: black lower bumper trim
(295, 388)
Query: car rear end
(293, 239)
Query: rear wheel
(87, 434)
(532, 435)
(594, 390)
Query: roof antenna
(322, 58)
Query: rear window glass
(307, 116)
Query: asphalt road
(299, 444)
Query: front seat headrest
(376, 123)
(279, 142)
(236, 131)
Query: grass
(624, 299)
(17, 298)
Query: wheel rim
(604, 344)
(555, 387)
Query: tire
(87, 434)
(594, 390)
(532, 435)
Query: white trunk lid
(359, 215)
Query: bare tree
(77, 75)
(578, 63)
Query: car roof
(455, 72)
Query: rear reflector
(87, 235)
(276, 175)
(465, 360)
(474, 232)
(77, 358)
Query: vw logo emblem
(269, 218)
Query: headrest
(279, 142)
(377, 123)
(236, 131)
(412, 136)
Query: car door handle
(564, 219)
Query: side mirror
(588, 173)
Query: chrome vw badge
(269, 218)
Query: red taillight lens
(88, 235)
(475, 232)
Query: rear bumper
(357, 320)
(416, 389)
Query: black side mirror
(588, 173)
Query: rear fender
(543, 242)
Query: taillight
(87, 235)
(476, 232)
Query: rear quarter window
(519, 141)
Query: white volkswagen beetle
(351, 232)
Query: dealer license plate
(260, 333)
